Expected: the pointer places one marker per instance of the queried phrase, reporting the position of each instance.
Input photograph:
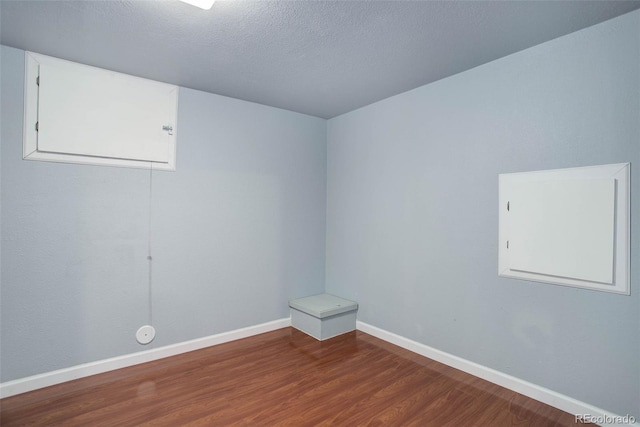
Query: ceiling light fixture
(202, 4)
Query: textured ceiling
(322, 58)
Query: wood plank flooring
(283, 378)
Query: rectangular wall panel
(563, 228)
(80, 114)
(566, 226)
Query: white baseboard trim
(544, 395)
(23, 385)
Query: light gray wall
(237, 230)
(412, 215)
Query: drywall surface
(236, 231)
(412, 212)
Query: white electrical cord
(147, 333)
(149, 257)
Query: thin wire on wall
(149, 257)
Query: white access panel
(81, 114)
(88, 111)
(563, 228)
(566, 226)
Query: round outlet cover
(146, 334)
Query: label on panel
(563, 228)
(92, 112)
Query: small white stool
(323, 316)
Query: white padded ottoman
(323, 316)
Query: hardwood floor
(283, 378)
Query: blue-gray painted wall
(237, 231)
(412, 223)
